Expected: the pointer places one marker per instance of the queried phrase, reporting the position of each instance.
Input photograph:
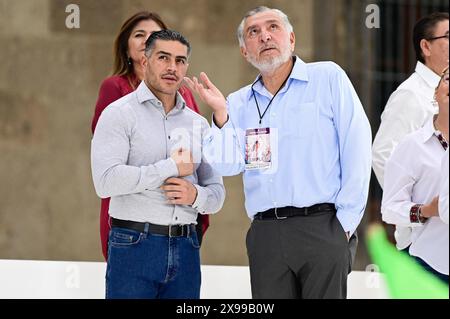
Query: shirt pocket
(301, 119)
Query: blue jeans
(148, 266)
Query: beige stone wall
(49, 80)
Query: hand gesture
(211, 95)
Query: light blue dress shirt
(320, 140)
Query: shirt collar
(144, 94)
(299, 72)
(431, 78)
(428, 130)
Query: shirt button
(176, 218)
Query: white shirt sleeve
(443, 193)
(402, 115)
(397, 194)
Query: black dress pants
(304, 257)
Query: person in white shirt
(412, 185)
(443, 193)
(410, 106)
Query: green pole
(405, 278)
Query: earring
(129, 61)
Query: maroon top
(112, 89)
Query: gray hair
(281, 14)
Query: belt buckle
(278, 217)
(170, 231)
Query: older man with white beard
(307, 197)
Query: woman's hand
(431, 209)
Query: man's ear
(425, 48)
(292, 41)
(144, 61)
(244, 52)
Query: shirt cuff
(201, 199)
(167, 168)
(226, 125)
(346, 225)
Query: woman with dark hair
(127, 74)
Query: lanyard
(267, 108)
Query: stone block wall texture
(49, 81)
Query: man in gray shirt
(147, 156)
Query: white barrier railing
(26, 279)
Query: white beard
(270, 65)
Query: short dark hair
(424, 29)
(165, 35)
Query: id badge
(258, 154)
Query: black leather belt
(171, 231)
(286, 212)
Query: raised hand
(211, 95)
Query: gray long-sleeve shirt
(130, 158)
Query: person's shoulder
(410, 140)
(194, 115)
(410, 84)
(325, 72)
(196, 119)
(409, 144)
(408, 93)
(115, 86)
(323, 65)
(122, 105)
(120, 113)
(114, 81)
(324, 68)
(241, 94)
